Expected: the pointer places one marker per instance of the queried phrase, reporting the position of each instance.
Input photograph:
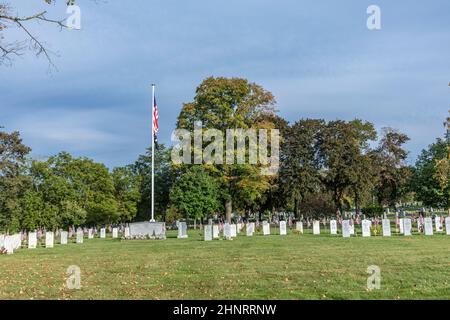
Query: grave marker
(115, 233)
(250, 229)
(386, 227)
(80, 235)
(401, 226)
(63, 237)
(316, 227)
(333, 227)
(428, 226)
(208, 234)
(127, 232)
(216, 232)
(227, 231)
(346, 228)
(447, 226)
(49, 239)
(438, 223)
(299, 226)
(182, 230)
(233, 231)
(103, 233)
(266, 228)
(90, 234)
(32, 240)
(407, 226)
(283, 230)
(366, 228)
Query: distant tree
(164, 178)
(13, 179)
(343, 150)
(317, 205)
(426, 183)
(299, 173)
(221, 104)
(195, 194)
(126, 192)
(393, 173)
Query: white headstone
(233, 231)
(103, 233)
(80, 236)
(17, 241)
(63, 237)
(299, 226)
(2, 240)
(91, 234)
(208, 234)
(333, 227)
(428, 226)
(182, 230)
(283, 230)
(346, 228)
(115, 233)
(352, 228)
(386, 227)
(366, 224)
(127, 232)
(437, 222)
(316, 227)
(8, 243)
(250, 229)
(49, 239)
(401, 226)
(216, 232)
(447, 225)
(227, 231)
(266, 228)
(239, 227)
(32, 240)
(407, 226)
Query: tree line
(326, 168)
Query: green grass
(275, 267)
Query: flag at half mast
(155, 122)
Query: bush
(373, 210)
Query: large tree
(13, 179)
(426, 182)
(195, 194)
(221, 104)
(343, 148)
(300, 165)
(164, 177)
(393, 172)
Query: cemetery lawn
(275, 267)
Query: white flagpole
(153, 153)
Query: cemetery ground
(258, 267)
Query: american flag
(155, 122)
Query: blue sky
(317, 57)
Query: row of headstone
(10, 243)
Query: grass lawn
(275, 267)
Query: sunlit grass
(275, 267)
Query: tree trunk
(228, 210)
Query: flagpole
(153, 153)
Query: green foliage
(195, 194)
(426, 182)
(373, 210)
